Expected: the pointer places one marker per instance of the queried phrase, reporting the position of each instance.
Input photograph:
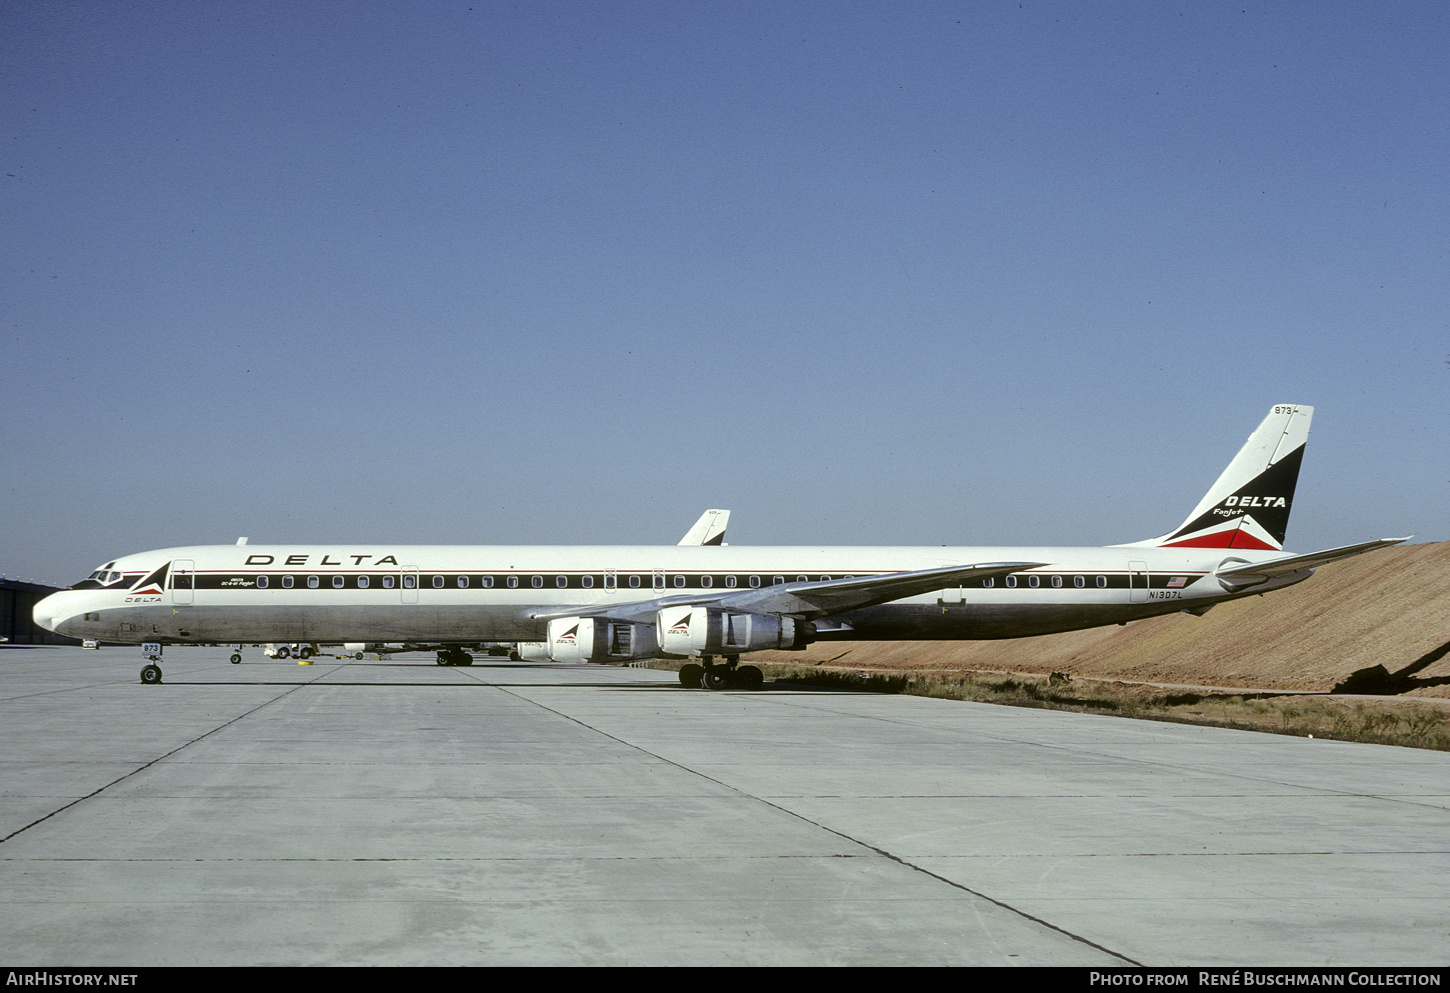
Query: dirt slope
(1389, 608)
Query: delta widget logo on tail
(1256, 515)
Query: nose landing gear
(151, 672)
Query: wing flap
(806, 600)
(835, 596)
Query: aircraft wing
(806, 600)
(708, 530)
(1244, 576)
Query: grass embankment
(1388, 722)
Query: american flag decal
(1177, 582)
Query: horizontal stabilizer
(835, 596)
(1254, 573)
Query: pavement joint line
(146, 765)
(444, 858)
(1056, 856)
(855, 841)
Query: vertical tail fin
(1249, 505)
(708, 530)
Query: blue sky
(932, 273)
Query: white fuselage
(472, 594)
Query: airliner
(702, 599)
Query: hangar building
(17, 627)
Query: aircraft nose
(53, 611)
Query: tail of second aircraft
(1249, 505)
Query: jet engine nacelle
(712, 631)
(598, 639)
(532, 651)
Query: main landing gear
(454, 656)
(729, 675)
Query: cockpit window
(104, 577)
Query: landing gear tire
(691, 674)
(150, 674)
(717, 677)
(236, 658)
(748, 677)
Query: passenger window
(803, 579)
(487, 582)
(1078, 582)
(1034, 581)
(561, 581)
(362, 582)
(730, 582)
(513, 582)
(408, 581)
(537, 582)
(312, 582)
(337, 582)
(286, 582)
(634, 582)
(1057, 582)
(779, 580)
(1011, 582)
(261, 582)
(1102, 582)
(679, 582)
(463, 582)
(988, 583)
(755, 582)
(387, 582)
(587, 582)
(707, 581)
(437, 582)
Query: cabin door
(183, 581)
(1138, 582)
